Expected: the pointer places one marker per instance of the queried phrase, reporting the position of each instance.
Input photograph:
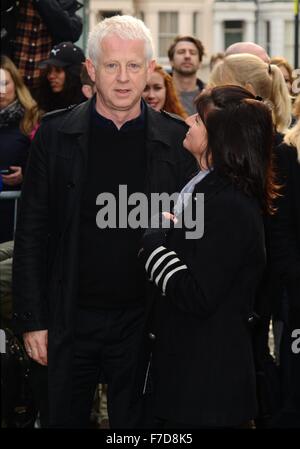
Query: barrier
(12, 195)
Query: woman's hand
(14, 178)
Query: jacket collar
(211, 185)
(78, 120)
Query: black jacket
(45, 270)
(199, 333)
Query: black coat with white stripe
(203, 366)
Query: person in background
(263, 79)
(250, 48)
(286, 70)
(160, 93)
(215, 59)
(19, 116)
(204, 287)
(60, 84)
(30, 28)
(185, 55)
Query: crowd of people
(176, 328)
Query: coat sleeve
(63, 23)
(199, 284)
(29, 262)
(284, 253)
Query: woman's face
(7, 89)
(56, 77)
(196, 138)
(286, 77)
(155, 91)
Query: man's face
(121, 73)
(186, 58)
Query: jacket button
(70, 185)
(27, 315)
(152, 336)
(15, 315)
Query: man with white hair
(248, 47)
(79, 291)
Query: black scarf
(12, 114)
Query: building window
(233, 32)
(106, 14)
(289, 41)
(195, 23)
(268, 36)
(168, 30)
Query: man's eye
(133, 66)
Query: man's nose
(122, 73)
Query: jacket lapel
(75, 131)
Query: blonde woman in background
(262, 79)
(286, 70)
(160, 93)
(19, 116)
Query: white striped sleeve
(161, 265)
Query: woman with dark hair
(60, 84)
(204, 288)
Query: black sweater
(110, 275)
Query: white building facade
(217, 24)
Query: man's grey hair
(125, 27)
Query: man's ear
(90, 69)
(151, 67)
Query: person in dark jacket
(19, 116)
(284, 237)
(204, 288)
(30, 28)
(78, 303)
(60, 84)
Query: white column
(185, 23)
(218, 36)
(93, 17)
(249, 31)
(277, 36)
(151, 20)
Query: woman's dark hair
(240, 140)
(71, 93)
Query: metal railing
(12, 195)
